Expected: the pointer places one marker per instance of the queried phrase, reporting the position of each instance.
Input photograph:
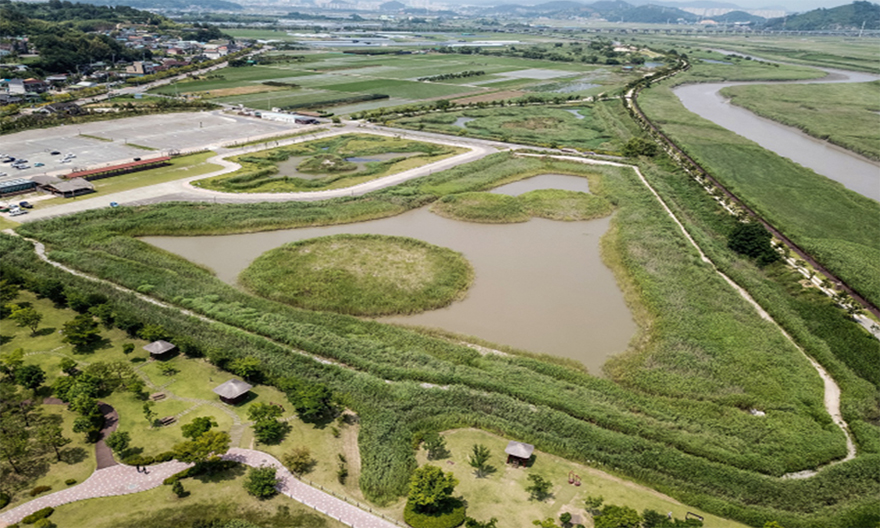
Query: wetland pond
(540, 285)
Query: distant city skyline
(789, 5)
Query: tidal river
(540, 285)
(855, 172)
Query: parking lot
(161, 132)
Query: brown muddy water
(855, 172)
(287, 168)
(540, 285)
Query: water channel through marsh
(540, 285)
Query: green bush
(45, 523)
(70, 482)
(37, 515)
(4, 500)
(449, 517)
(40, 489)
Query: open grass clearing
(847, 115)
(211, 498)
(502, 493)
(360, 275)
(741, 69)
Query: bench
(168, 420)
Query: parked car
(26, 205)
(38, 164)
(8, 159)
(15, 211)
(55, 153)
(114, 204)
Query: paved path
(342, 511)
(182, 190)
(116, 480)
(103, 453)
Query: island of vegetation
(361, 275)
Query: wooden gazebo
(233, 391)
(519, 453)
(159, 348)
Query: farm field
(319, 80)
(847, 115)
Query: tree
(149, 413)
(565, 518)
(152, 332)
(298, 460)
(12, 360)
(128, 348)
(14, 443)
(312, 402)
(435, 445)
(772, 524)
(546, 523)
(753, 240)
(539, 489)
(593, 504)
(81, 332)
(30, 376)
(26, 317)
(198, 427)
(430, 488)
(177, 489)
(8, 292)
(263, 411)
(68, 366)
(246, 367)
(267, 429)
(617, 517)
(209, 444)
(479, 460)
(261, 482)
(639, 147)
(50, 434)
(118, 441)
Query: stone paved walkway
(332, 506)
(115, 480)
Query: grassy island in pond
(360, 275)
(329, 163)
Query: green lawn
(845, 114)
(221, 497)
(502, 494)
(405, 89)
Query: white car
(15, 211)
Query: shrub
(37, 515)
(4, 500)
(39, 489)
(45, 523)
(261, 481)
(450, 517)
(70, 482)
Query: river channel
(540, 285)
(855, 172)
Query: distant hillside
(613, 10)
(213, 5)
(850, 16)
(738, 16)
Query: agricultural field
(847, 115)
(339, 82)
(597, 126)
(331, 163)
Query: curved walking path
(832, 390)
(183, 190)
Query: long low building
(65, 188)
(115, 170)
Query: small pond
(540, 285)
(462, 121)
(576, 113)
(713, 61)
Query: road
(183, 190)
